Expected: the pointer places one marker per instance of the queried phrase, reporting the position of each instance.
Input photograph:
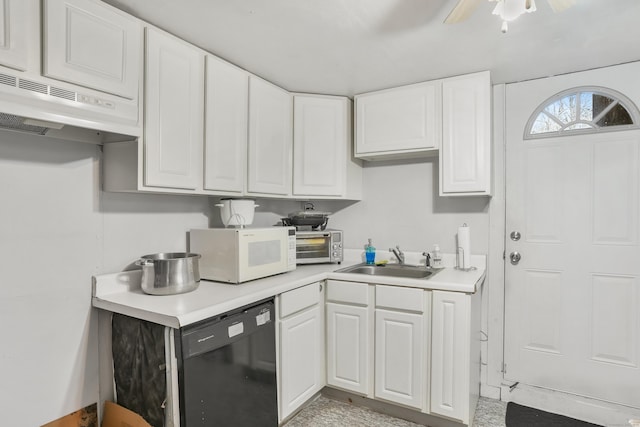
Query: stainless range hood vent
(17, 123)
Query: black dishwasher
(227, 369)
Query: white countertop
(121, 292)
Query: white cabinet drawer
(347, 292)
(299, 299)
(397, 297)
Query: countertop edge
(120, 293)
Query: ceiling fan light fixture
(509, 10)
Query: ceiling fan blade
(560, 5)
(462, 11)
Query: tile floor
(329, 412)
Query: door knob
(515, 257)
(515, 236)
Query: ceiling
(345, 47)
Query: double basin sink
(404, 271)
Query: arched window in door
(582, 110)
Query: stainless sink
(391, 270)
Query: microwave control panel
(291, 262)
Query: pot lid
(309, 212)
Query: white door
(320, 145)
(174, 110)
(270, 138)
(400, 358)
(225, 149)
(92, 44)
(572, 320)
(301, 359)
(348, 347)
(450, 352)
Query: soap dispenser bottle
(436, 258)
(370, 253)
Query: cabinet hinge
(504, 368)
(504, 255)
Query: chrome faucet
(427, 260)
(398, 253)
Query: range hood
(41, 106)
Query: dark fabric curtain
(139, 367)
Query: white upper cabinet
(174, 111)
(399, 122)
(320, 145)
(92, 44)
(18, 33)
(465, 155)
(270, 138)
(225, 126)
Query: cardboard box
(118, 416)
(85, 417)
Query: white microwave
(236, 255)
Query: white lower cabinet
(385, 358)
(408, 346)
(399, 354)
(350, 336)
(454, 363)
(401, 360)
(301, 372)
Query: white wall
(57, 229)
(400, 206)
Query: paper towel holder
(460, 253)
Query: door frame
(493, 384)
(492, 370)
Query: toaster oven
(318, 247)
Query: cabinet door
(450, 358)
(348, 347)
(19, 21)
(405, 119)
(400, 358)
(92, 44)
(225, 126)
(320, 145)
(465, 157)
(174, 109)
(301, 359)
(270, 142)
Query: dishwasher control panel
(225, 329)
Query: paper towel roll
(464, 247)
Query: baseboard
(570, 405)
(492, 392)
(389, 409)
